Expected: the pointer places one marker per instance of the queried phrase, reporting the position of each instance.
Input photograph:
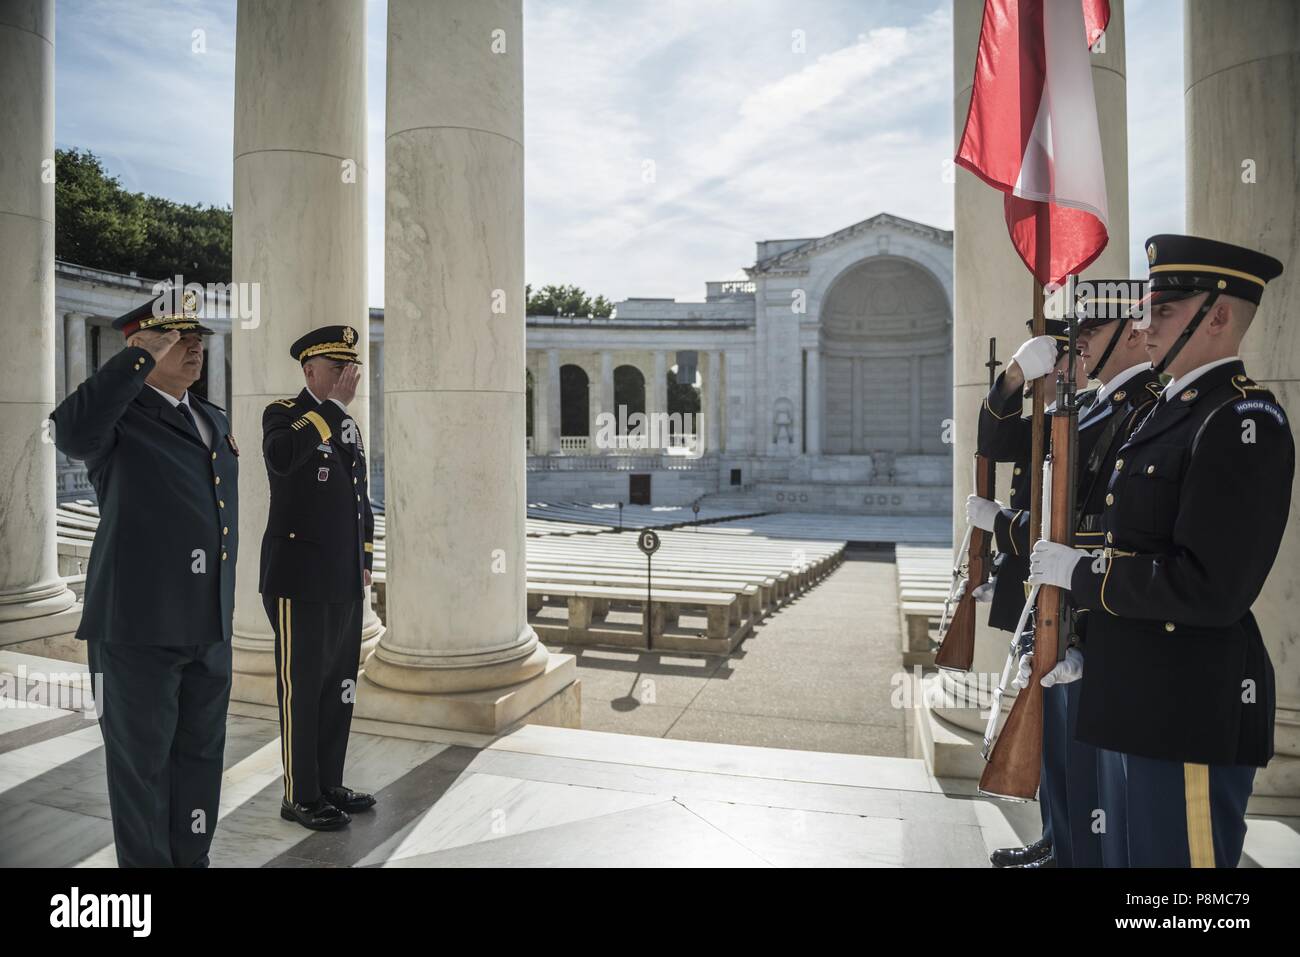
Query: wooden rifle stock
(1014, 764)
(957, 644)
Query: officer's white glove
(1071, 669)
(981, 512)
(983, 592)
(1051, 563)
(1036, 357)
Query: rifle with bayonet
(957, 627)
(1015, 758)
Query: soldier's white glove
(1021, 679)
(1064, 672)
(983, 592)
(1036, 357)
(1051, 563)
(981, 512)
(1071, 669)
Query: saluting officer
(1113, 353)
(317, 555)
(160, 588)
(1178, 687)
(1005, 436)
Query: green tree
(99, 224)
(555, 300)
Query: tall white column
(657, 395)
(215, 361)
(814, 400)
(604, 396)
(914, 404)
(74, 350)
(34, 601)
(300, 237)
(554, 410)
(992, 295)
(456, 603)
(1242, 84)
(713, 408)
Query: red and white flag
(1032, 129)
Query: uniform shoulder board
(211, 403)
(287, 403)
(1244, 383)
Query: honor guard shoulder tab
(287, 403)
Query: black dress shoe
(1048, 861)
(1020, 856)
(348, 799)
(319, 815)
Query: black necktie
(184, 409)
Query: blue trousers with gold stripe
(317, 647)
(1183, 815)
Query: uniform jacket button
(291, 534)
(225, 529)
(214, 456)
(223, 556)
(1169, 626)
(1119, 464)
(1110, 537)
(1016, 470)
(221, 503)
(1110, 499)
(1150, 469)
(217, 479)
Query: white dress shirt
(200, 420)
(1183, 381)
(1110, 387)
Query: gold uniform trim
(1202, 267)
(322, 426)
(1110, 563)
(1200, 835)
(320, 347)
(994, 414)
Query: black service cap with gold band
(327, 342)
(1099, 301)
(1182, 266)
(171, 309)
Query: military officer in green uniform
(160, 587)
(1177, 686)
(317, 555)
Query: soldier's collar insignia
(1119, 396)
(1189, 395)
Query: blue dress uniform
(319, 538)
(1178, 686)
(1068, 794)
(160, 591)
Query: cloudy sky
(750, 139)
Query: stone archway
(886, 359)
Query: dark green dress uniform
(1177, 682)
(160, 590)
(319, 538)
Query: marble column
(914, 405)
(554, 410)
(459, 652)
(214, 360)
(992, 296)
(34, 601)
(656, 400)
(75, 356)
(814, 399)
(300, 239)
(1242, 81)
(604, 397)
(713, 408)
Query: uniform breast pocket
(1145, 495)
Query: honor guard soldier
(1178, 687)
(1005, 436)
(317, 555)
(1113, 353)
(160, 589)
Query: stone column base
(58, 619)
(551, 697)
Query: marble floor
(540, 797)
